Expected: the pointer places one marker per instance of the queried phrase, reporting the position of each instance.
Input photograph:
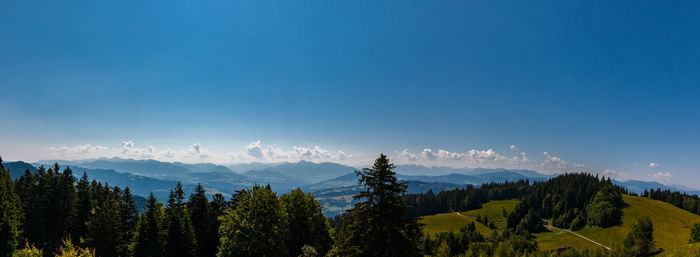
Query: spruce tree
(377, 226)
(83, 208)
(9, 214)
(200, 216)
(129, 219)
(150, 238)
(104, 226)
(180, 239)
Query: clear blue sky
(610, 85)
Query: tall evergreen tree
(253, 227)
(83, 208)
(305, 223)
(695, 233)
(9, 214)
(150, 238)
(377, 226)
(104, 226)
(129, 219)
(180, 237)
(200, 216)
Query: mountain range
(332, 183)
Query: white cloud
(341, 155)
(254, 149)
(198, 151)
(579, 165)
(553, 163)
(514, 148)
(407, 155)
(615, 173)
(449, 155)
(663, 175)
(428, 154)
(484, 155)
(79, 149)
(653, 165)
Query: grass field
(446, 222)
(690, 250)
(671, 227)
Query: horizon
(595, 87)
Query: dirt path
(578, 235)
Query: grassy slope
(446, 222)
(691, 250)
(671, 224)
(671, 227)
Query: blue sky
(599, 86)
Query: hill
(671, 226)
(689, 250)
(18, 168)
(446, 222)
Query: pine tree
(695, 233)
(253, 227)
(180, 238)
(377, 226)
(150, 239)
(306, 225)
(9, 214)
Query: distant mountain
(525, 173)
(204, 167)
(417, 170)
(18, 168)
(347, 180)
(245, 167)
(451, 178)
(306, 173)
(638, 186)
(151, 168)
(338, 200)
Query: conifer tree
(180, 239)
(150, 239)
(104, 226)
(83, 208)
(200, 216)
(9, 214)
(129, 219)
(377, 226)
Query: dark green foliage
(695, 233)
(150, 238)
(254, 226)
(465, 199)
(104, 225)
(606, 208)
(180, 241)
(84, 207)
(684, 201)
(566, 197)
(201, 216)
(306, 225)
(129, 219)
(377, 225)
(640, 241)
(9, 214)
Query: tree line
(49, 212)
